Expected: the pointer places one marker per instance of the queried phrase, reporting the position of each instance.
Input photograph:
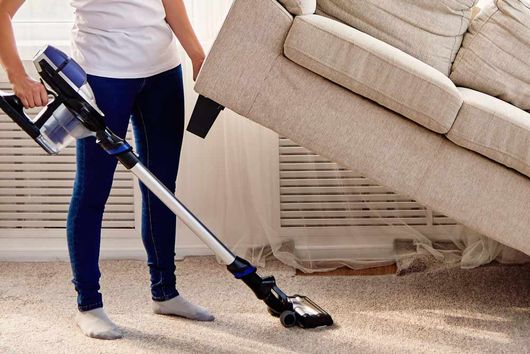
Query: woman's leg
(95, 171)
(158, 122)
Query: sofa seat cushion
(430, 30)
(375, 70)
(493, 128)
(495, 54)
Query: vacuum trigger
(51, 95)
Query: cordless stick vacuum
(73, 114)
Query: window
(38, 23)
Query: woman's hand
(197, 65)
(30, 92)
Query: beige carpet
(485, 310)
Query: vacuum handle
(47, 112)
(14, 108)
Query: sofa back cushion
(430, 30)
(300, 7)
(495, 55)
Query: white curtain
(232, 179)
(229, 179)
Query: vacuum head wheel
(288, 319)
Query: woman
(129, 50)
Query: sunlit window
(43, 22)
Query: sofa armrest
(245, 50)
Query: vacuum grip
(12, 106)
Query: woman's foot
(96, 324)
(179, 306)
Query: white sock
(96, 324)
(179, 306)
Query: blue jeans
(155, 105)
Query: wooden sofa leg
(204, 115)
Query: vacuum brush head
(293, 310)
(305, 313)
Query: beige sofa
(318, 81)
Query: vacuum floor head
(296, 310)
(308, 314)
(304, 313)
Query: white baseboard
(44, 249)
(182, 252)
(17, 245)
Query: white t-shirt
(123, 39)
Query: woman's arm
(178, 20)
(32, 93)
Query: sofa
(358, 84)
